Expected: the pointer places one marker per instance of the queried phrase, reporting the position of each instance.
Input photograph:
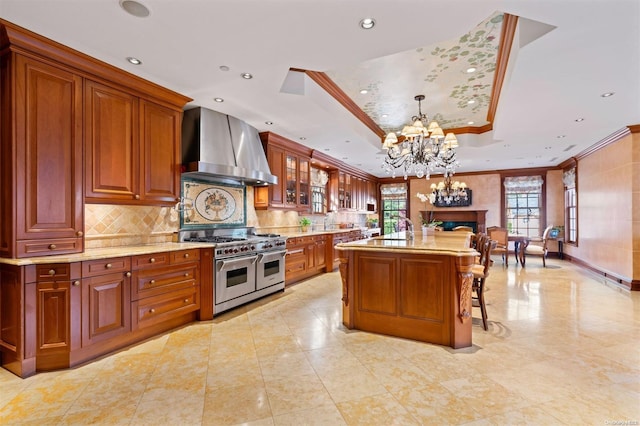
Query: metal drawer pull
(152, 310)
(79, 233)
(52, 272)
(290, 252)
(152, 282)
(186, 274)
(76, 283)
(186, 300)
(186, 255)
(52, 246)
(128, 274)
(108, 266)
(152, 260)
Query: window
(570, 205)
(394, 207)
(523, 205)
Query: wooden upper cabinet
(132, 154)
(160, 133)
(48, 147)
(111, 144)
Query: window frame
(543, 196)
(568, 189)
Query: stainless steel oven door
(235, 277)
(270, 269)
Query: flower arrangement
(431, 198)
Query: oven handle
(221, 264)
(271, 255)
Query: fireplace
(459, 217)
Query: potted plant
(305, 222)
(372, 222)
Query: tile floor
(562, 348)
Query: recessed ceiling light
(268, 123)
(302, 138)
(224, 68)
(579, 119)
(345, 158)
(246, 76)
(470, 122)
(218, 99)
(471, 69)
(134, 61)
(471, 102)
(367, 23)
(385, 115)
(347, 141)
(606, 95)
(134, 8)
(547, 147)
(364, 91)
(327, 149)
(561, 136)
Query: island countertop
(446, 243)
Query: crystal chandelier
(448, 191)
(423, 149)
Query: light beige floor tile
(296, 393)
(169, 407)
(284, 365)
(235, 405)
(376, 410)
(352, 383)
(324, 360)
(318, 416)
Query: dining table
(520, 243)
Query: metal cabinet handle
(152, 310)
(76, 283)
(152, 282)
(52, 246)
(186, 274)
(128, 274)
(152, 260)
(79, 233)
(186, 255)
(137, 196)
(186, 300)
(108, 266)
(52, 272)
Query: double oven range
(247, 265)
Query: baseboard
(632, 285)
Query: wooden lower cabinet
(56, 316)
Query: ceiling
(565, 55)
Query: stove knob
(235, 250)
(253, 247)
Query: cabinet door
(111, 143)
(159, 154)
(106, 307)
(276, 159)
(48, 130)
(291, 181)
(321, 250)
(304, 184)
(53, 324)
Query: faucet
(409, 226)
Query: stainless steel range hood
(218, 147)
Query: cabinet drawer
(156, 309)
(149, 260)
(150, 282)
(33, 248)
(183, 256)
(92, 268)
(57, 272)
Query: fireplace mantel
(477, 216)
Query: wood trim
(507, 35)
(339, 95)
(470, 130)
(632, 285)
(635, 128)
(611, 139)
(18, 39)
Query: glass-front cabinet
(292, 181)
(304, 182)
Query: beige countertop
(446, 243)
(320, 232)
(104, 253)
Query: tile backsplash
(116, 225)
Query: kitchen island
(416, 288)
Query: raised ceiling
(565, 55)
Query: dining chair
(539, 248)
(463, 228)
(501, 237)
(480, 274)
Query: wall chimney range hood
(220, 148)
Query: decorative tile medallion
(210, 204)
